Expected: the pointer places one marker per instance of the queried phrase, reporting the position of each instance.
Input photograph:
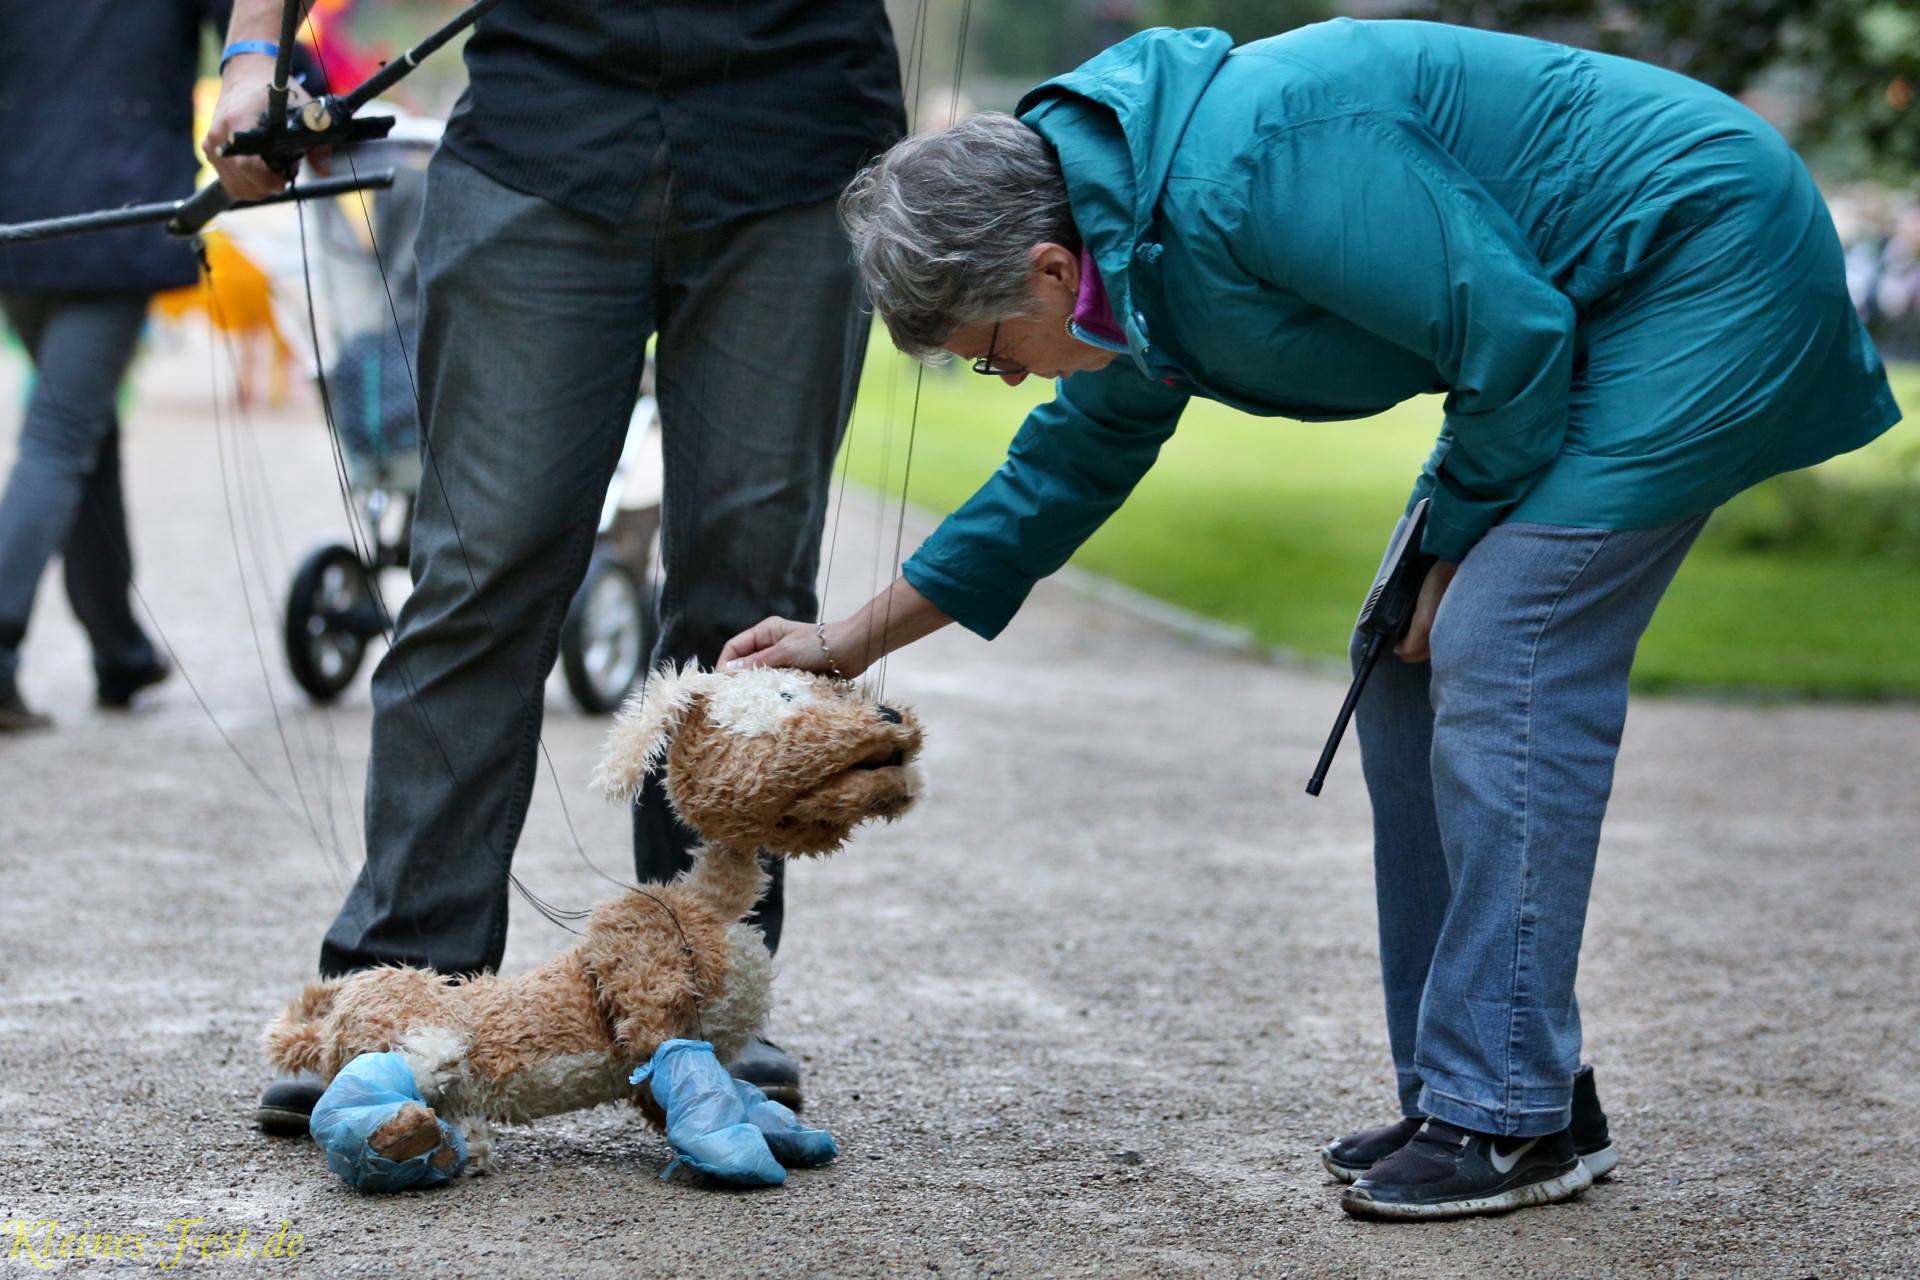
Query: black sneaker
(766, 1066)
(1349, 1157)
(1591, 1141)
(286, 1105)
(1445, 1172)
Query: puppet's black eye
(785, 696)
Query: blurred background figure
(111, 81)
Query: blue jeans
(1489, 770)
(63, 495)
(533, 332)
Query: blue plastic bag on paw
(366, 1094)
(792, 1143)
(707, 1124)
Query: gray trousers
(533, 332)
(63, 495)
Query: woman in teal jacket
(1632, 295)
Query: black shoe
(1446, 1172)
(286, 1105)
(1591, 1141)
(117, 685)
(15, 715)
(766, 1066)
(1349, 1157)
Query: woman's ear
(637, 743)
(1056, 265)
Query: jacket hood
(1117, 122)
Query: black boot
(766, 1066)
(286, 1105)
(117, 685)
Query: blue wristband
(238, 47)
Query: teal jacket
(1625, 282)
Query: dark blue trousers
(63, 495)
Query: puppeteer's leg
(760, 350)
(533, 330)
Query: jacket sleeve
(1367, 216)
(1074, 461)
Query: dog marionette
(761, 760)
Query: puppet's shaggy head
(770, 758)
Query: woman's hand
(782, 642)
(1413, 647)
(897, 616)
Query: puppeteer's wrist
(246, 71)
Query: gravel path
(1088, 1011)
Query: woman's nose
(1013, 379)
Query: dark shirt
(96, 111)
(760, 104)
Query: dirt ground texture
(1090, 1010)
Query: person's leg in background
(761, 340)
(533, 329)
(98, 564)
(1531, 652)
(80, 345)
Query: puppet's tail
(293, 1040)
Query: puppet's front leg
(726, 1128)
(378, 1132)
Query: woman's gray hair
(943, 223)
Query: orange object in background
(236, 298)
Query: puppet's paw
(413, 1131)
(793, 1144)
(378, 1132)
(707, 1125)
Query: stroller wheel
(330, 615)
(607, 636)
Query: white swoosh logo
(1504, 1164)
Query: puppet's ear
(637, 744)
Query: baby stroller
(333, 612)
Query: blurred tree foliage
(1858, 60)
(1243, 19)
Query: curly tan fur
(759, 760)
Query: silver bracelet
(820, 633)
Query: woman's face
(1037, 344)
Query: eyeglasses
(985, 364)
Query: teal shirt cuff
(983, 606)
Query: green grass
(1276, 526)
